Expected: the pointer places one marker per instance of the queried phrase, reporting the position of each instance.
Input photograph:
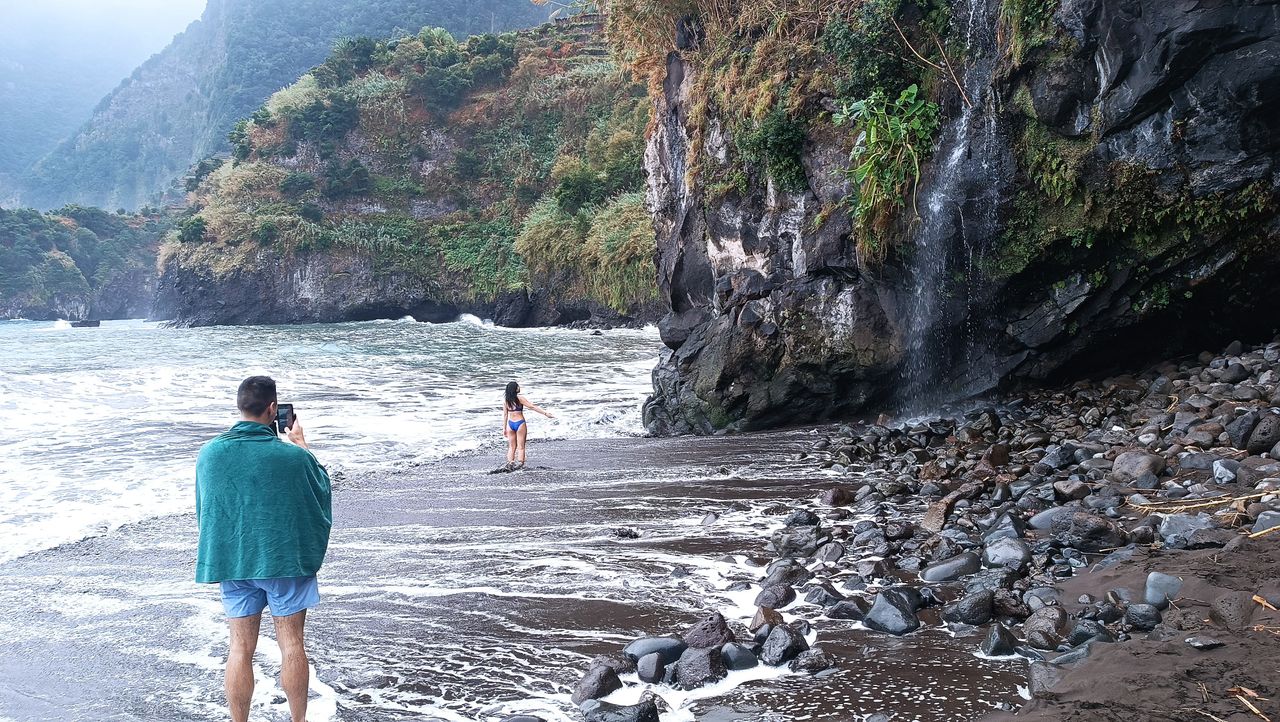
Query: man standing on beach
(264, 512)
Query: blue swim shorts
(285, 595)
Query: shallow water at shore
(453, 594)
(102, 424)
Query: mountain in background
(179, 105)
(58, 59)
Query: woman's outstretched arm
(535, 407)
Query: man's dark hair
(255, 395)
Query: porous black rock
(712, 631)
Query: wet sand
(451, 593)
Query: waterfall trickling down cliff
(959, 205)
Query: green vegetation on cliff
(770, 72)
(60, 264)
(179, 106)
(496, 164)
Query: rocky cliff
(1098, 184)
(426, 177)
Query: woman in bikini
(514, 426)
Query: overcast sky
(112, 27)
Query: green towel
(263, 507)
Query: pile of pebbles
(970, 521)
(1025, 493)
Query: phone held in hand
(284, 418)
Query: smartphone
(284, 417)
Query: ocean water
(448, 592)
(101, 426)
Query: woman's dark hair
(512, 389)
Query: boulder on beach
(599, 681)
(783, 644)
(1046, 626)
(776, 596)
(892, 612)
(1086, 532)
(1161, 589)
(765, 617)
(712, 631)
(1133, 464)
(973, 609)
(1143, 617)
(669, 648)
(952, 568)
(999, 642)
(700, 667)
(1006, 552)
(737, 657)
(645, 711)
(812, 661)
(650, 668)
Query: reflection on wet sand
(454, 594)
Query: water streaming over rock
(959, 207)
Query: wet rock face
(774, 321)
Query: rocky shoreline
(1120, 535)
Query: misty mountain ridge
(179, 105)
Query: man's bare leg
(295, 675)
(239, 683)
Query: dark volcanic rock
(797, 541)
(645, 711)
(953, 568)
(598, 682)
(1132, 464)
(1143, 617)
(669, 648)
(1045, 627)
(700, 667)
(783, 644)
(1006, 552)
(812, 661)
(710, 632)
(892, 612)
(1265, 435)
(775, 597)
(768, 292)
(999, 642)
(974, 609)
(854, 608)
(650, 668)
(1086, 532)
(737, 657)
